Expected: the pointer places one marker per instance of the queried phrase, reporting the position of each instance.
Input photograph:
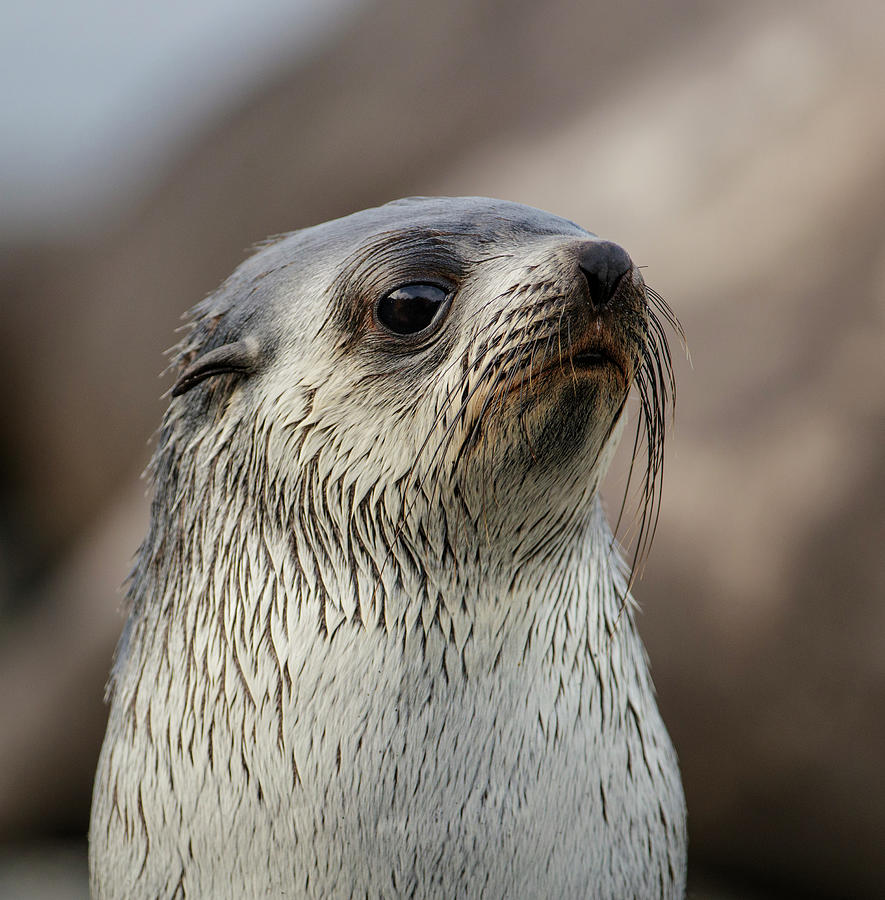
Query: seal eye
(411, 308)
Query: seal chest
(380, 642)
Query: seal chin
(564, 413)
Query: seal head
(487, 326)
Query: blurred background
(736, 150)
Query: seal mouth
(598, 358)
(598, 354)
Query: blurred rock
(53, 666)
(56, 871)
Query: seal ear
(242, 357)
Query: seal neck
(241, 548)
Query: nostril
(604, 264)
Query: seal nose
(604, 264)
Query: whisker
(656, 391)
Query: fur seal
(380, 641)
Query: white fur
(337, 682)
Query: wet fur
(380, 640)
